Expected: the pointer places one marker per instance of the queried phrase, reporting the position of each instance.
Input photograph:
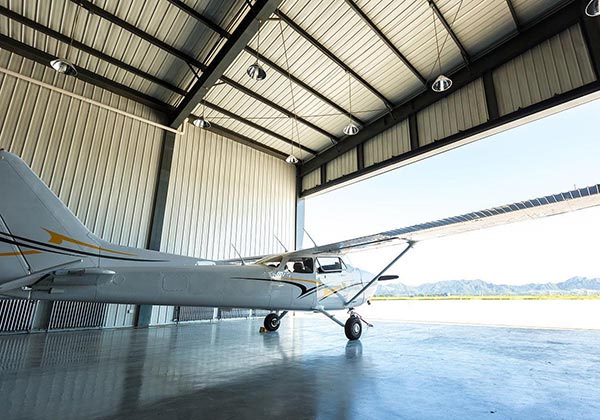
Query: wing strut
(387, 267)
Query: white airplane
(46, 253)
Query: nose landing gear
(353, 327)
(273, 320)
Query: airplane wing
(510, 213)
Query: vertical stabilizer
(37, 230)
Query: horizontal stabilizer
(525, 210)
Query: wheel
(353, 328)
(272, 322)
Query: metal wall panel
(102, 165)
(557, 65)
(195, 313)
(161, 315)
(459, 111)
(232, 313)
(119, 316)
(311, 180)
(392, 142)
(223, 193)
(16, 314)
(77, 315)
(343, 165)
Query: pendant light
(442, 83)
(62, 65)
(593, 8)
(350, 129)
(202, 122)
(291, 159)
(255, 71)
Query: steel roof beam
(561, 19)
(289, 22)
(83, 47)
(513, 13)
(44, 59)
(246, 29)
(193, 61)
(222, 32)
(222, 131)
(386, 40)
(278, 107)
(259, 127)
(442, 19)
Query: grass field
(502, 297)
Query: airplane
(46, 253)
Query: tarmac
(306, 370)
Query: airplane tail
(37, 231)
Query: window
(330, 264)
(300, 265)
(270, 261)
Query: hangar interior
(125, 142)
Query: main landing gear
(273, 320)
(352, 327)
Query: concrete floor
(307, 370)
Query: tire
(353, 328)
(272, 322)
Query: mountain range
(572, 286)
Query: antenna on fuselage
(239, 255)
(310, 237)
(281, 243)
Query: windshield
(271, 261)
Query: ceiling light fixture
(442, 83)
(202, 122)
(255, 71)
(62, 65)
(350, 129)
(593, 8)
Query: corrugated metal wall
(392, 142)
(557, 65)
(222, 192)
(343, 165)
(459, 111)
(311, 180)
(102, 165)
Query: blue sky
(546, 156)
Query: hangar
(200, 127)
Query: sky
(550, 155)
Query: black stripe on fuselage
(304, 290)
(335, 292)
(73, 252)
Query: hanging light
(62, 65)
(442, 83)
(291, 159)
(255, 71)
(202, 122)
(593, 8)
(350, 129)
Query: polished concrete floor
(307, 370)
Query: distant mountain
(573, 286)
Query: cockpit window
(300, 265)
(270, 261)
(330, 264)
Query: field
(503, 297)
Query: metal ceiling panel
(249, 108)
(410, 26)
(530, 10)
(342, 31)
(478, 24)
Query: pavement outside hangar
(306, 370)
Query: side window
(300, 265)
(330, 264)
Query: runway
(306, 370)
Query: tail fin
(37, 230)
